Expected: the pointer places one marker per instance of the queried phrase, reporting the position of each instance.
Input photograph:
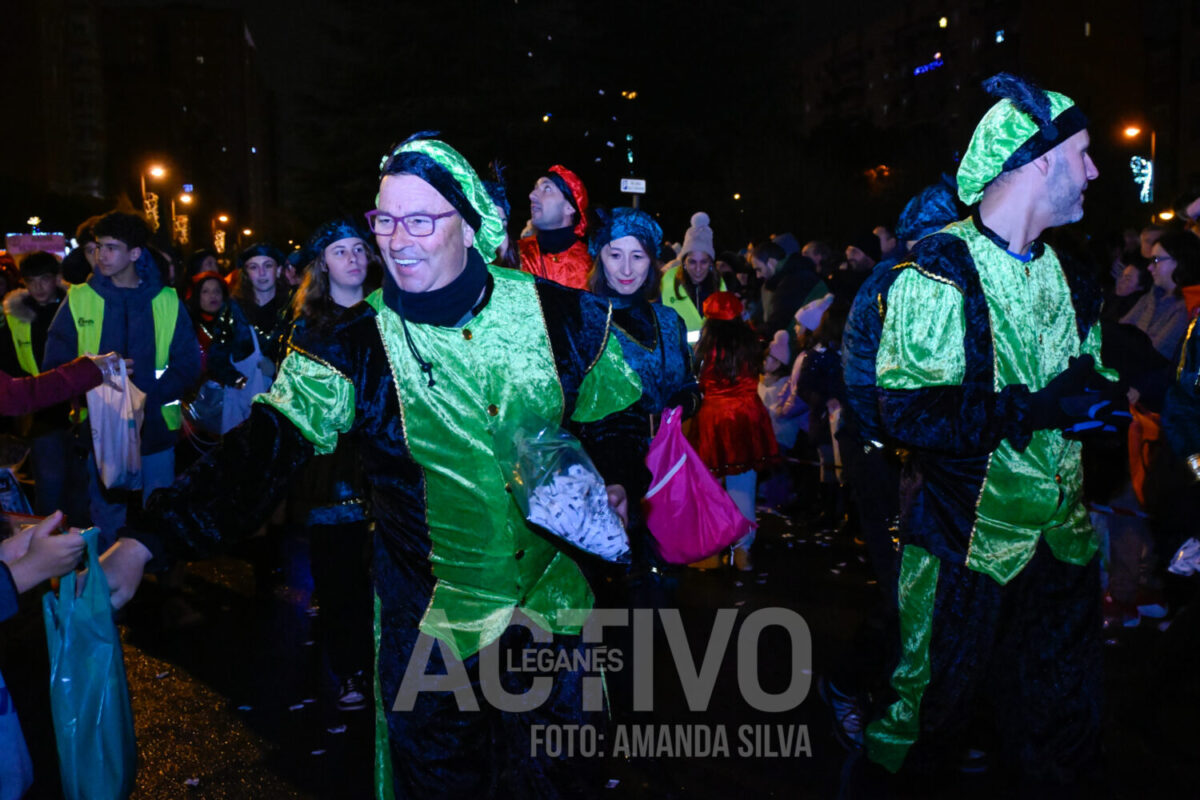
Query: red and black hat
(573, 189)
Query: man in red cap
(558, 251)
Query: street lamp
(1132, 132)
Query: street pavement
(240, 704)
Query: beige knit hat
(699, 237)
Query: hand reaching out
(110, 368)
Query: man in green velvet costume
(420, 378)
(987, 372)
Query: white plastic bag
(236, 408)
(115, 417)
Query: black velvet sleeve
(227, 495)
(578, 326)
(967, 420)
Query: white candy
(574, 505)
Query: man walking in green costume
(421, 378)
(987, 372)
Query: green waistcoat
(1026, 494)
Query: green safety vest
(87, 308)
(22, 334)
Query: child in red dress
(732, 431)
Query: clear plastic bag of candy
(557, 488)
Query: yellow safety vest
(87, 307)
(22, 334)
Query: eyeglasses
(417, 225)
(1161, 259)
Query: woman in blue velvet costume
(653, 337)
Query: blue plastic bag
(89, 698)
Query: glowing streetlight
(247, 232)
(185, 198)
(737, 195)
(1131, 131)
(1166, 216)
(222, 218)
(943, 22)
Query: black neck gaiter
(444, 306)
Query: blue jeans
(742, 489)
(109, 508)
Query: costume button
(467, 334)
(519, 555)
(493, 409)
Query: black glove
(1104, 410)
(1045, 408)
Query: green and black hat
(1027, 122)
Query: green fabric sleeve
(922, 340)
(315, 397)
(609, 386)
(1091, 345)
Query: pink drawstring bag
(687, 510)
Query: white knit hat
(699, 237)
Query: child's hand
(48, 555)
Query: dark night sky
(348, 78)
(351, 78)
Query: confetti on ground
(318, 752)
(761, 581)
(612, 783)
(740, 603)
(243, 708)
(296, 707)
(192, 782)
(836, 571)
(841, 563)
(162, 675)
(337, 729)
(308, 701)
(737, 584)
(309, 643)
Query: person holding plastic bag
(28, 558)
(653, 337)
(124, 307)
(418, 378)
(733, 432)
